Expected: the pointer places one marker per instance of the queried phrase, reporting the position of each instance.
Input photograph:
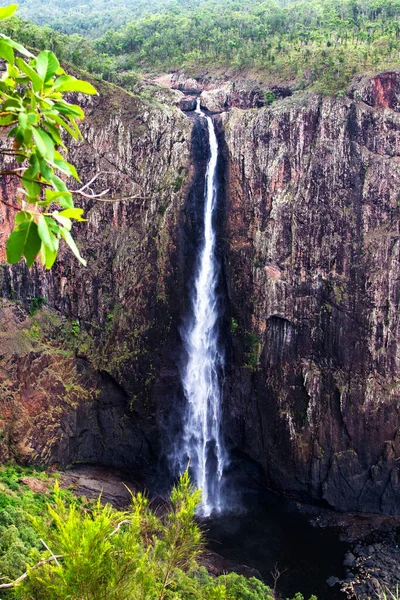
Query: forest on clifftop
(309, 44)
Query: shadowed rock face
(313, 269)
(311, 251)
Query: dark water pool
(272, 533)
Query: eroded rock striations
(313, 271)
(121, 307)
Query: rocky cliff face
(311, 253)
(314, 288)
(121, 307)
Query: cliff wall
(122, 305)
(313, 270)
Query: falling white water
(202, 443)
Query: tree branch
(119, 525)
(10, 205)
(52, 553)
(12, 584)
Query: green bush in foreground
(94, 552)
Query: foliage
(36, 114)
(96, 552)
(314, 44)
(104, 553)
(18, 538)
(269, 97)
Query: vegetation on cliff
(315, 43)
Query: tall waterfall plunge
(202, 442)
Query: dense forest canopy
(311, 43)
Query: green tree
(37, 117)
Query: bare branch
(94, 179)
(12, 584)
(119, 525)
(47, 548)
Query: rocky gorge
(309, 242)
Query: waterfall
(202, 442)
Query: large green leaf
(46, 65)
(71, 243)
(30, 184)
(45, 234)
(52, 195)
(7, 120)
(6, 52)
(23, 241)
(60, 121)
(8, 11)
(73, 213)
(66, 83)
(69, 109)
(45, 144)
(22, 216)
(21, 49)
(37, 82)
(49, 256)
(66, 223)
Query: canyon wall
(313, 270)
(312, 276)
(116, 313)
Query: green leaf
(12, 103)
(73, 171)
(46, 65)
(52, 129)
(45, 170)
(23, 120)
(66, 168)
(21, 49)
(24, 240)
(69, 109)
(52, 196)
(30, 184)
(66, 202)
(66, 83)
(45, 234)
(45, 144)
(6, 52)
(37, 82)
(49, 256)
(73, 213)
(63, 124)
(60, 186)
(7, 120)
(35, 165)
(67, 223)
(8, 11)
(22, 216)
(32, 118)
(71, 243)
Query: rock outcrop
(314, 287)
